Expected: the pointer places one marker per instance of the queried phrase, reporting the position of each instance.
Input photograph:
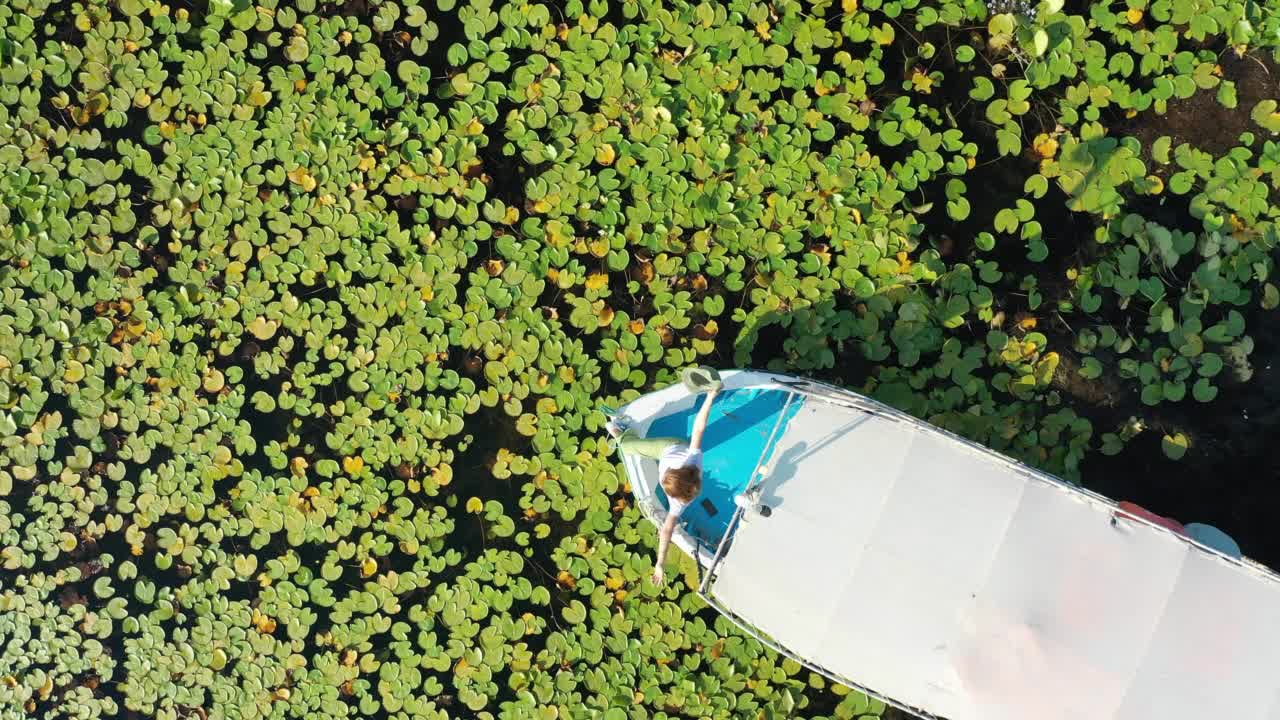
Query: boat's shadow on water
(784, 466)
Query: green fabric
(647, 447)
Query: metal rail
(835, 396)
(737, 513)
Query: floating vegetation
(309, 308)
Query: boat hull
(952, 581)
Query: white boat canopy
(954, 582)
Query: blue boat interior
(740, 424)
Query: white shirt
(678, 456)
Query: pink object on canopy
(1138, 511)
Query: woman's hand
(664, 541)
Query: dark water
(1231, 476)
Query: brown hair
(683, 483)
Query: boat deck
(973, 588)
(740, 424)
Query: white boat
(949, 580)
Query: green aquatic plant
(309, 309)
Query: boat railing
(836, 396)
(752, 481)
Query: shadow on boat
(784, 467)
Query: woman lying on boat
(679, 466)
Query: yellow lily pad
(262, 328)
(213, 380)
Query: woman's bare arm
(700, 423)
(664, 540)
